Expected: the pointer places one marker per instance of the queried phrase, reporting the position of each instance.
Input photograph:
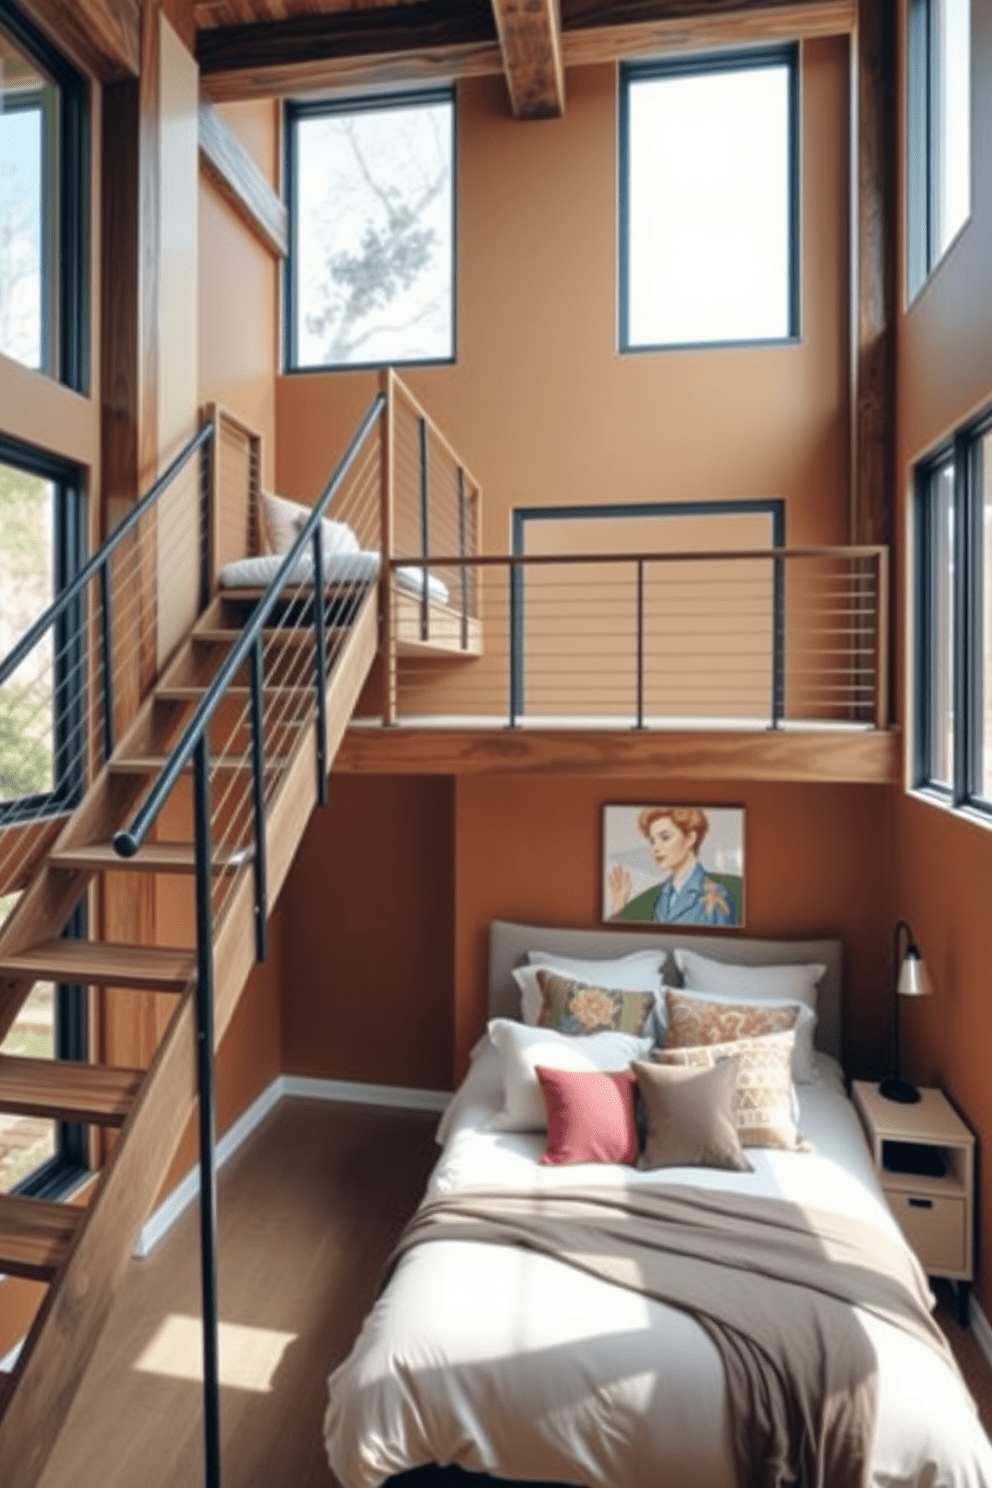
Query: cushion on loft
(339, 568)
(764, 1094)
(521, 1049)
(412, 579)
(578, 1008)
(590, 1115)
(690, 1116)
(337, 537)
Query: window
(43, 206)
(42, 733)
(939, 130)
(370, 277)
(954, 621)
(709, 201)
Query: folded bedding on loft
(359, 567)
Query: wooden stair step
(284, 635)
(103, 964)
(272, 692)
(35, 1236)
(67, 1089)
(152, 764)
(151, 857)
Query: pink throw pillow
(590, 1116)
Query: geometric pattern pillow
(763, 1099)
(693, 1021)
(576, 1008)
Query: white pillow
(280, 521)
(638, 972)
(804, 1067)
(522, 1049)
(757, 984)
(338, 536)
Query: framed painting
(674, 865)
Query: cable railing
(756, 638)
(74, 680)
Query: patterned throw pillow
(576, 1008)
(763, 1099)
(693, 1021)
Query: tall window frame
(953, 667)
(784, 56)
(65, 204)
(939, 142)
(297, 113)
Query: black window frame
(782, 54)
(69, 640)
(924, 119)
(295, 110)
(72, 341)
(964, 791)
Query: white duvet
(509, 1362)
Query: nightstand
(925, 1158)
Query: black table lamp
(909, 979)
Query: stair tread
(156, 857)
(67, 1089)
(181, 692)
(103, 963)
(35, 1236)
(283, 635)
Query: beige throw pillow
(690, 1116)
(763, 1098)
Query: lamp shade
(913, 979)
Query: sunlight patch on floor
(249, 1357)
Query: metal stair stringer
(35, 1401)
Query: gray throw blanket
(772, 1284)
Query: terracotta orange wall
(540, 405)
(369, 913)
(239, 290)
(943, 863)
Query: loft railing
(743, 638)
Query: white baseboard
(187, 1190)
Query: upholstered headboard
(509, 944)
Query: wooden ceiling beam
(421, 41)
(104, 36)
(238, 178)
(530, 40)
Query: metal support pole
(106, 645)
(258, 792)
(640, 644)
(515, 646)
(205, 1062)
(778, 643)
(425, 531)
(321, 661)
(462, 548)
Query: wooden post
(387, 636)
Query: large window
(939, 119)
(370, 278)
(954, 621)
(709, 201)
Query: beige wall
(942, 862)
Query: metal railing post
(320, 648)
(640, 644)
(778, 643)
(514, 639)
(207, 1124)
(462, 548)
(425, 531)
(206, 526)
(258, 801)
(106, 646)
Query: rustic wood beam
(874, 291)
(871, 758)
(238, 178)
(411, 43)
(530, 39)
(103, 35)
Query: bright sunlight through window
(708, 205)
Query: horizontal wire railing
(749, 638)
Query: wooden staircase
(81, 1249)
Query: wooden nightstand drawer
(936, 1228)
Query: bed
(511, 1362)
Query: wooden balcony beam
(530, 40)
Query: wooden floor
(308, 1212)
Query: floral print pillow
(577, 1008)
(691, 1021)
